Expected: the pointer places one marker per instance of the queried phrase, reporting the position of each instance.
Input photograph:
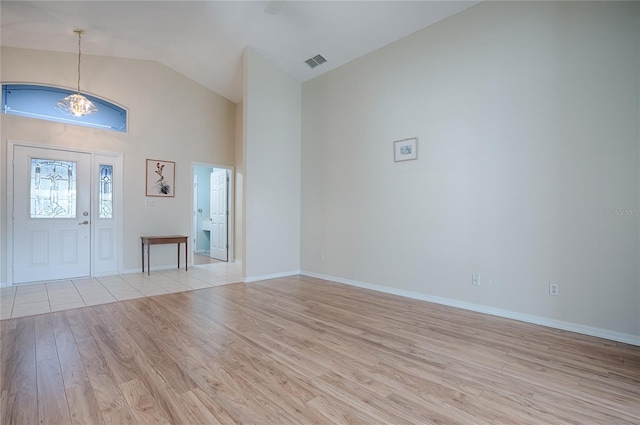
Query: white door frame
(194, 216)
(118, 189)
(231, 206)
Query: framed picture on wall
(406, 149)
(161, 178)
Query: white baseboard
(250, 279)
(103, 274)
(552, 323)
(4, 284)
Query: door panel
(51, 230)
(219, 217)
(39, 248)
(105, 245)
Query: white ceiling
(203, 40)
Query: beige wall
(528, 169)
(170, 118)
(272, 116)
(239, 183)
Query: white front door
(51, 214)
(218, 241)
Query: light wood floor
(300, 350)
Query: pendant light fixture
(76, 104)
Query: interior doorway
(212, 215)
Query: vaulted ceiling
(204, 40)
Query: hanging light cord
(79, 32)
(76, 104)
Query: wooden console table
(156, 240)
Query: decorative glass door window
(105, 192)
(53, 189)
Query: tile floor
(204, 259)
(29, 300)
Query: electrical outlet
(321, 257)
(554, 289)
(475, 279)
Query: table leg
(148, 259)
(178, 254)
(142, 245)
(186, 256)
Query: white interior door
(51, 214)
(219, 215)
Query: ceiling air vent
(315, 61)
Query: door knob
(84, 222)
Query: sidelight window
(105, 191)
